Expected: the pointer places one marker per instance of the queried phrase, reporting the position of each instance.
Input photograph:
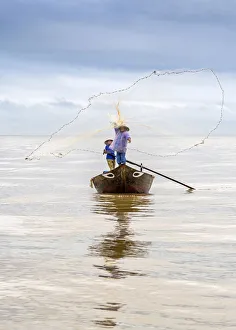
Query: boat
(123, 180)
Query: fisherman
(120, 143)
(110, 154)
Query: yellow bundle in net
(118, 120)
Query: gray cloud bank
(134, 34)
(55, 54)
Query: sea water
(73, 259)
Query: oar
(164, 176)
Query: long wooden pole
(164, 176)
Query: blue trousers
(120, 158)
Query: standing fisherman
(120, 143)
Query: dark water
(73, 259)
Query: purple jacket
(120, 142)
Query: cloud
(187, 104)
(121, 34)
(55, 54)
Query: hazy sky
(55, 53)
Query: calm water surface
(72, 259)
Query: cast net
(159, 108)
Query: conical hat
(126, 127)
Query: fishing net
(158, 108)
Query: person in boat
(119, 144)
(110, 154)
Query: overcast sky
(54, 53)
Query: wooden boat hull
(123, 179)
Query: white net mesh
(161, 104)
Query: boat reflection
(109, 322)
(121, 242)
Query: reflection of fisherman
(120, 143)
(110, 154)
